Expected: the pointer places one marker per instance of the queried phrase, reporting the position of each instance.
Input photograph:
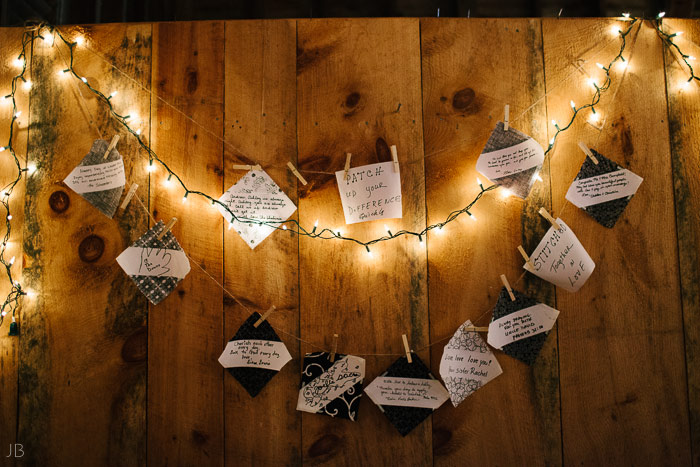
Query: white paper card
(138, 261)
(321, 391)
(98, 177)
(256, 196)
(255, 353)
(371, 192)
(586, 192)
(561, 259)
(521, 324)
(407, 392)
(467, 364)
(508, 161)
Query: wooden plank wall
(99, 376)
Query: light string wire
(667, 40)
(28, 38)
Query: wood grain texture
(623, 386)
(10, 47)
(73, 376)
(185, 380)
(515, 418)
(358, 91)
(683, 122)
(260, 127)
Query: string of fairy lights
(49, 34)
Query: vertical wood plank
(11, 46)
(684, 127)
(260, 127)
(82, 362)
(358, 88)
(185, 385)
(621, 335)
(471, 69)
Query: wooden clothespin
(477, 328)
(335, 347)
(112, 145)
(506, 118)
(588, 152)
(246, 167)
(525, 256)
(507, 286)
(543, 212)
(347, 166)
(406, 348)
(296, 173)
(264, 316)
(167, 228)
(127, 199)
(395, 156)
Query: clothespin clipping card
(296, 173)
(543, 212)
(167, 228)
(335, 348)
(507, 286)
(588, 152)
(406, 348)
(347, 165)
(525, 256)
(112, 145)
(395, 157)
(506, 118)
(127, 199)
(264, 316)
(246, 167)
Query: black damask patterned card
(254, 355)
(603, 190)
(520, 327)
(467, 364)
(331, 388)
(407, 393)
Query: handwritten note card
(98, 177)
(561, 259)
(511, 160)
(255, 353)
(467, 364)
(149, 261)
(370, 192)
(407, 392)
(258, 198)
(331, 388)
(521, 324)
(585, 192)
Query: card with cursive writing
(407, 393)
(156, 266)
(467, 364)
(370, 192)
(520, 327)
(603, 190)
(331, 388)
(256, 198)
(561, 259)
(511, 159)
(98, 179)
(254, 355)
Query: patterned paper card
(511, 159)
(156, 266)
(98, 179)
(256, 197)
(467, 364)
(331, 388)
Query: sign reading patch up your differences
(370, 192)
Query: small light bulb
(572, 104)
(600, 65)
(79, 40)
(551, 142)
(113, 93)
(27, 84)
(626, 15)
(133, 116)
(167, 181)
(388, 231)
(661, 14)
(12, 261)
(594, 117)
(690, 57)
(284, 227)
(230, 224)
(9, 217)
(2, 148)
(478, 182)
(18, 113)
(622, 65)
(316, 223)
(685, 85)
(439, 230)
(615, 30)
(369, 253)
(150, 167)
(48, 38)
(506, 193)
(471, 216)
(30, 293)
(83, 79)
(31, 168)
(592, 82)
(3, 314)
(538, 178)
(61, 73)
(138, 132)
(18, 62)
(184, 199)
(421, 243)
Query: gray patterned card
(467, 364)
(511, 159)
(99, 179)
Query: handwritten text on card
(370, 192)
(521, 324)
(140, 261)
(98, 177)
(586, 192)
(256, 353)
(508, 161)
(407, 392)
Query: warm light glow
(505, 193)
(690, 57)
(133, 116)
(316, 224)
(594, 117)
(48, 38)
(626, 15)
(27, 84)
(622, 65)
(2, 148)
(113, 93)
(615, 30)
(592, 82)
(685, 85)
(679, 33)
(230, 224)
(338, 232)
(472, 216)
(284, 227)
(12, 261)
(31, 168)
(551, 142)
(83, 79)
(150, 167)
(138, 132)
(9, 217)
(18, 62)
(661, 14)
(439, 230)
(478, 181)
(600, 65)
(538, 178)
(167, 181)
(184, 199)
(79, 40)
(61, 73)
(572, 104)
(30, 293)
(18, 113)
